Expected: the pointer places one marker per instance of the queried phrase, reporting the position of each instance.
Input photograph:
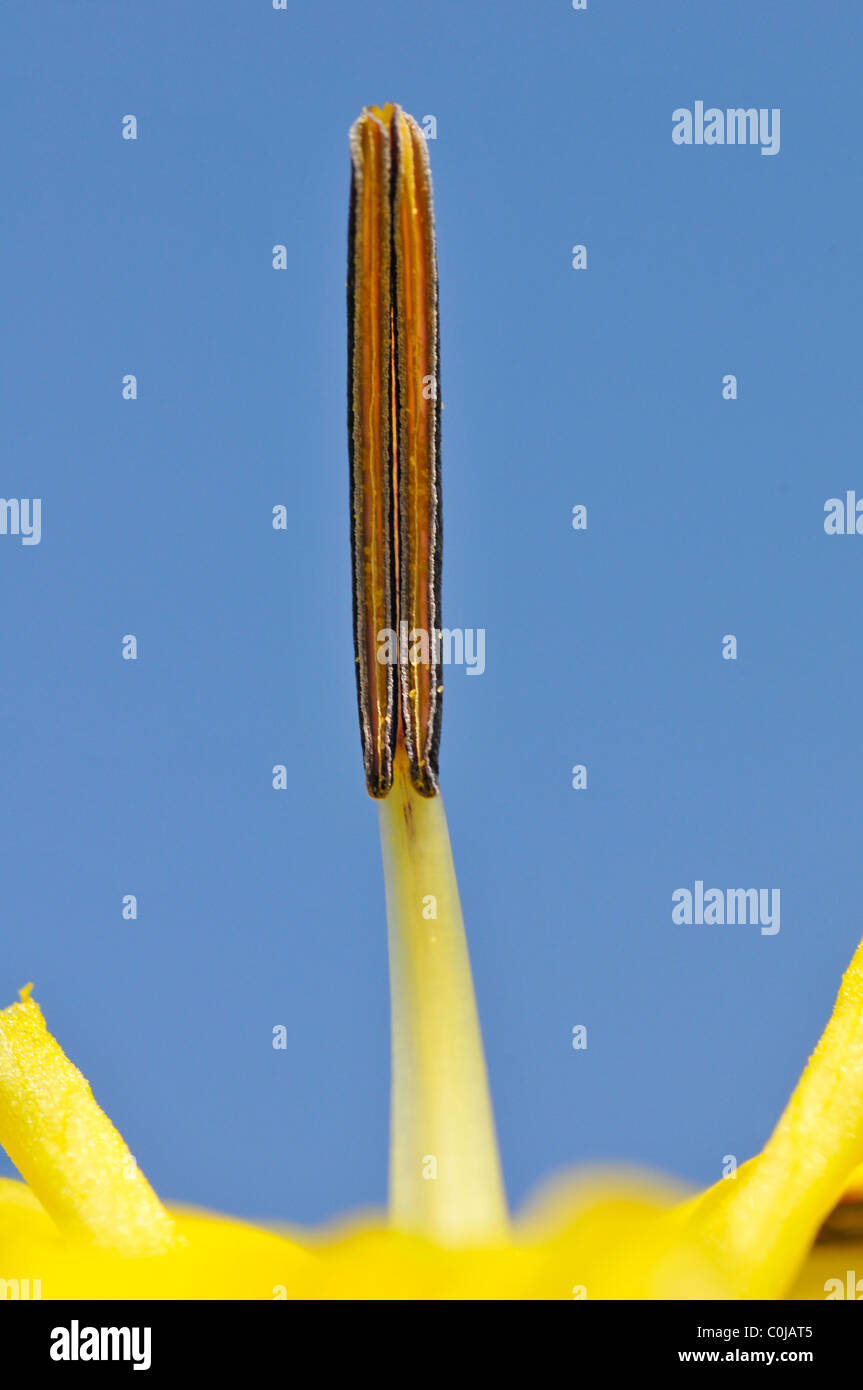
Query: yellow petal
(211, 1257)
(762, 1224)
(834, 1267)
(600, 1240)
(66, 1147)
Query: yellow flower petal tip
(763, 1223)
(210, 1257)
(66, 1147)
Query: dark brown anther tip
(394, 443)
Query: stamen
(394, 440)
(370, 440)
(445, 1179)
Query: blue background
(259, 908)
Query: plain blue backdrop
(603, 387)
